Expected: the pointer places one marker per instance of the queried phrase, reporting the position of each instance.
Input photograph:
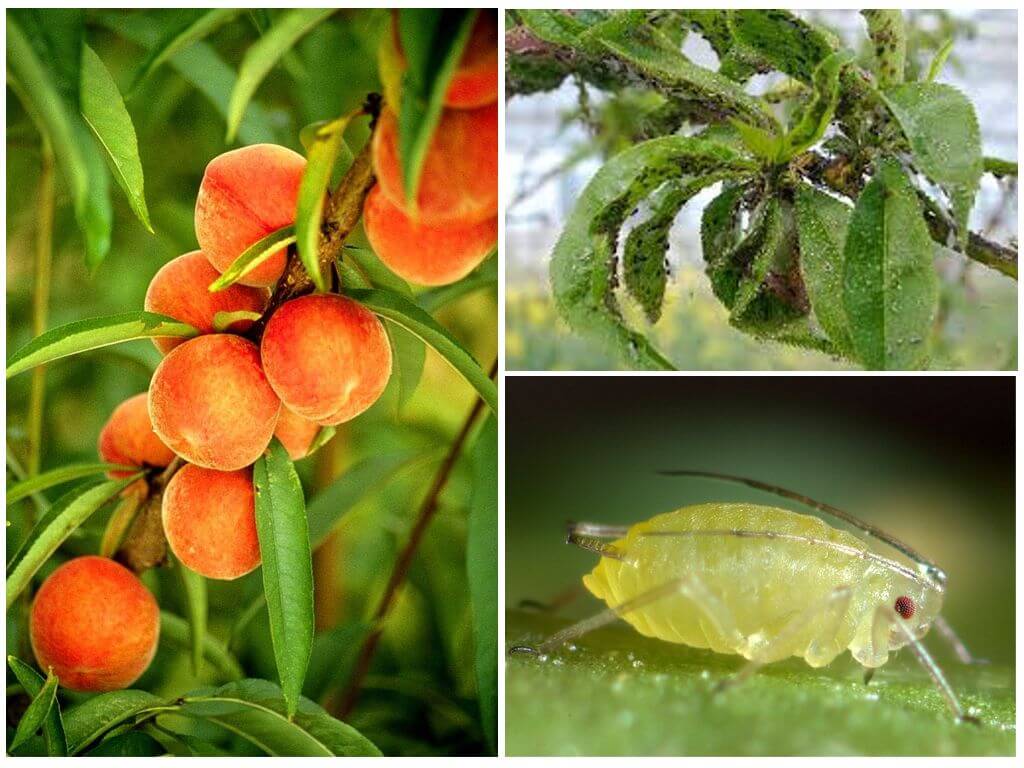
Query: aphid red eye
(905, 607)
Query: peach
(475, 82)
(295, 433)
(424, 254)
(180, 289)
(327, 357)
(245, 195)
(128, 438)
(459, 180)
(95, 624)
(210, 402)
(210, 521)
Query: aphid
(765, 583)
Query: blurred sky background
(980, 331)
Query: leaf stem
(401, 569)
(41, 304)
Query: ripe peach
(95, 623)
(459, 180)
(424, 254)
(295, 433)
(210, 402)
(327, 357)
(245, 195)
(210, 521)
(475, 82)
(181, 290)
(128, 438)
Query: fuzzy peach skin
(475, 82)
(128, 438)
(245, 195)
(210, 402)
(181, 290)
(95, 623)
(295, 433)
(423, 254)
(327, 357)
(459, 180)
(210, 521)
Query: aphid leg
(688, 586)
(560, 600)
(931, 667)
(951, 637)
(829, 612)
(869, 672)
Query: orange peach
(181, 290)
(210, 521)
(128, 438)
(95, 624)
(424, 254)
(459, 180)
(295, 433)
(210, 402)
(245, 195)
(327, 357)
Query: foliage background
(930, 460)
(551, 154)
(421, 696)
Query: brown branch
(426, 513)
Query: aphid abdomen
(763, 582)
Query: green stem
(41, 304)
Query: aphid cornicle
(765, 583)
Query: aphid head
(915, 604)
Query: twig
(426, 513)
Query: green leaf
(760, 142)
(629, 36)
(287, 566)
(130, 744)
(889, 37)
(57, 35)
(432, 40)
(178, 631)
(364, 477)
(404, 313)
(104, 112)
(86, 335)
(890, 289)
(262, 55)
(202, 67)
(63, 517)
(666, 694)
(764, 244)
(785, 41)
(256, 711)
(822, 221)
(334, 655)
(482, 573)
(120, 521)
(37, 713)
(194, 29)
(485, 276)
(557, 27)
(378, 275)
(815, 116)
(196, 606)
(222, 321)
(53, 724)
(87, 722)
(940, 124)
(322, 153)
(999, 167)
(253, 256)
(75, 151)
(939, 61)
(583, 274)
(59, 476)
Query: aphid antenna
(934, 574)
